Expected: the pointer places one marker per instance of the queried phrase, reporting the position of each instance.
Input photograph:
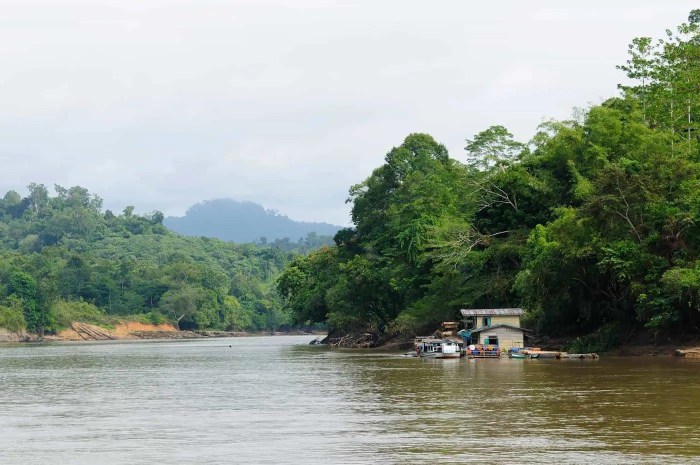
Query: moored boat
(438, 348)
(542, 353)
(523, 355)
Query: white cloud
(161, 104)
(518, 82)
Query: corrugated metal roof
(489, 328)
(491, 311)
(432, 339)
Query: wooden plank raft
(689, 353)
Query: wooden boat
(542, 353)
(438, 348)
(519, 355)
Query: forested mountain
(242, 222)
(593, 225)
(62, 258)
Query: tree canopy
(63, 258)
(591, 225)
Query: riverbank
(642, 343)
(130, 330)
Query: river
(276, 400)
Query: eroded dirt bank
(128, 330)
(125, 330)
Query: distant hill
(237, 221)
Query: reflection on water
(276, 400)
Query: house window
(492, 340)
(471, 322)
(486, 321)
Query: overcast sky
(161, 104)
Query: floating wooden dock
(689, 353)
(558, 355)
(493, 354)
(581, 356)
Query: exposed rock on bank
(364, 340)
(351, 340)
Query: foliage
(493, 147)
(12, 316)
(602, 340)
(63, 259)
(592, 226)
(64, 313)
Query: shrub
(156, 318)
(603, 340)
(65, 312)
(12, 316)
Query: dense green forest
(236, 221)
(62, 258)
(593, 226)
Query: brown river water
(276, 400)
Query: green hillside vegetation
(593, 226)
(63, 259)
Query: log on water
(91, 332)
(689, 353)
(581, 356)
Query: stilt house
(494, 326)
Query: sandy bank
(129, 330)
(125, 330)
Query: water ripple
(276, 400)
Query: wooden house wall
(507, 337)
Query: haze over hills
(242, 221)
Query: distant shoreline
(129, 331)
